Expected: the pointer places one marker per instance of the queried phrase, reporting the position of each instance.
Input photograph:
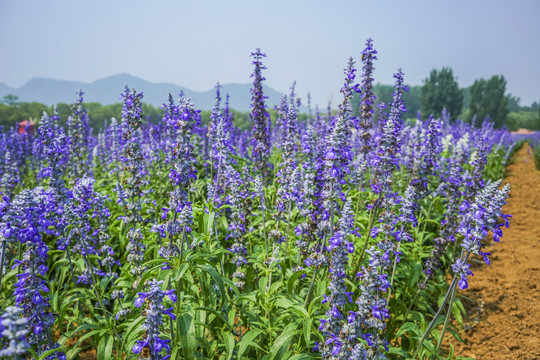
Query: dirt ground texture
(505, 322)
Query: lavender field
(347, 235)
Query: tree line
(485, 97)
(440, 90)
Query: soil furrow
(505, 322)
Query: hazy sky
(198, 42)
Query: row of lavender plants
(341, 237)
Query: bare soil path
(506, 322)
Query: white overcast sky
(199, 42)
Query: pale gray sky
(196, 43)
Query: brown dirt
(505, 323)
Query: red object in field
(25, 126)
(523, 132)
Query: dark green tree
(513, 103)
(10, 100)
(441, 91)
(488, 98)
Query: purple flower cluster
(154, 312)
(239, 200)
(54, 145)
(184, 122)
(336, 326)
(31, 214)
(260, 117)
(367, 99)
(478, 219)
(79, 133)
(134, 176)
(13, 328)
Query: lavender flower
(52, 141)
(260, 117)
(13, 328)
(367, 99)
(335, 326)
(34, 210)
(10, 175)
(185, 122)
(154, 319)
(479, 218)
(288, 175)
(370, 319)
(79, 132)
(238, 197)
(134, 173)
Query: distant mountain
(107, 91)
(4, 89)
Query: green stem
(182, 243)
(370, 226)
(411, 305)
(218, 245)
(393, 270)
(432, 323)
(2, 257)
(448, 315)
(428, 213)
(70, 266)
(264, 228)
(310, 291)
(288, 232)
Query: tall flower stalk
(133, 177)
(154, 311)
(260, 117)
(35, 210)
(184, 122)
(79, 132)
(367, 99)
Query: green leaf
(217, 278)
(104, 350)
(416, 273)
(293, 278)
(398, 351)
(307, 323)
(209, 222)
(215, 312)
(47, 353)
(286, 336)
(133, 327)
(186, 329)
(409, 326)
(301, 357)
(229, 344)
(86, 336)
(456, 311)
(247, 340)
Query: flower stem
(449, 293)
(393, 270)
(2, 257)
(432, 323)
(448, 315)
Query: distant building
(25, 127)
